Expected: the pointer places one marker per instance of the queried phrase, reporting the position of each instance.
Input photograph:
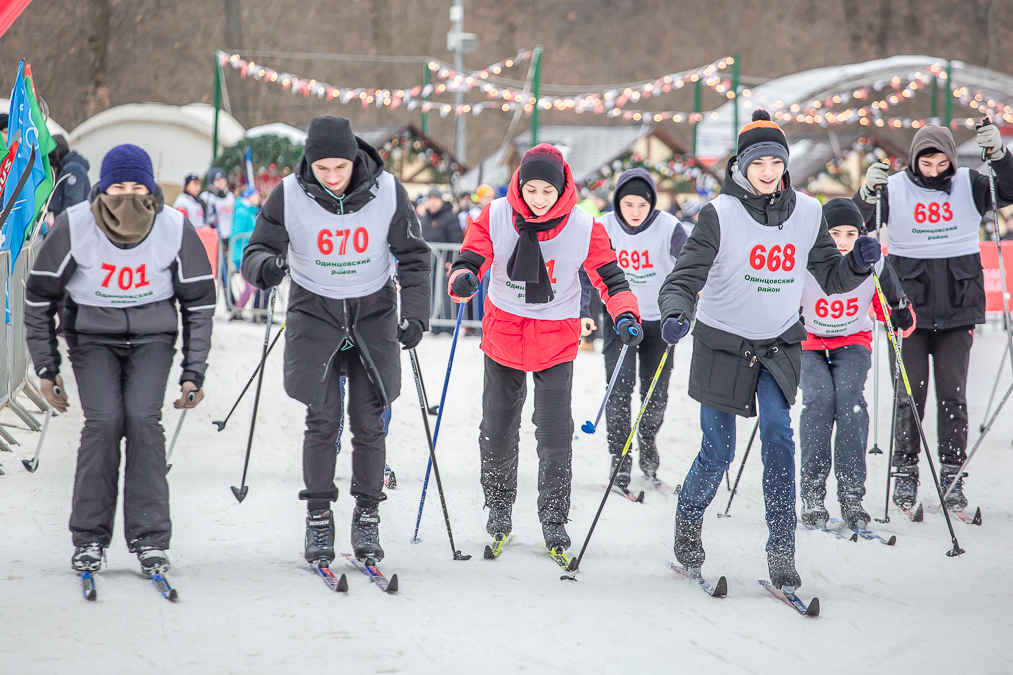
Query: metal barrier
(18, 344)
(5, 380)
(443, 310)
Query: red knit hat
(543, 162)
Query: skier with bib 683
(531, 244)
(746, 260)
(338, 222)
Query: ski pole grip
(191, 397)
(985, 154)
(57, 390)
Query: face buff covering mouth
(125, 219)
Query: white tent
(178, 138)
(296, 136)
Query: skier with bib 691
(740, 276)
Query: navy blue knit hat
(126, 163)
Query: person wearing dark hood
(531, 245)
(439, 222)
(647, 243)
(933, 210)
(189, 202)
(119, 264)
(740, 276)
(72, 184)
(339, 222)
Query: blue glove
(674, 329)
(867, 252)
(629, 329)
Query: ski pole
(977, 443)
(240, 492)
(589, 428)
(190, 397)
(874, 450)
(432, 452)
(33, 463)
(439, 418)
(956, 550)
(742, 466)
(995, 388)
(893, 432)
(574, 565)
(221, 423)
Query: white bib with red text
(110, 276)
(191, 208)
(755, 283)
(932, 224)
(563, 254)
(645, 258)
(840, 314)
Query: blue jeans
(777, 452)
(341, 423)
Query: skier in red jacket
(532, 244)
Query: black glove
(274, 270)
(409, 333)
(901, 317)
(867, 252)
(464, 285)
(629, 329)
(674, 329)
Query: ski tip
(919, 515)
(240, 494)
(173, 595)
(720, 588)
(892, 540)
(813, 609)
(168, 468)
(977, 517)
(568, 577)
(854, 537)
(640, 497)
(392, 584)
(587, 427)
(489, 555)
(91, 595)
(219, 424)
(460, 556)
(342, 584)
(30, 465)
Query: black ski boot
(905, 485)
(688, 543)
(853, 515)
(623, 477)
(366, 534)
(320, 537)
(555, 536)
(153, 561)
(813, 513)
(781, 566)
(87, 558)
(500, 522)
(956, 501)
(649, 459)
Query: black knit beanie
(761, 138)
(330, 136)
(638, 187)
(842, 211)
(543, 162)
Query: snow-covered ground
(249, 604)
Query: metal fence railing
(17, 346)
(443, 311)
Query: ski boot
(623, 477)
(649, 459)
(905, 485)
(500, 522)
(783, 575)
(320, 537)
(87, 558)
(947, 473)
(688, 543)
(854, 516)
(814, 514)
(555, 536)
(366, 534)
(153, 561)
(389, 479)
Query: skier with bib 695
(933, 211)
(740, 276)
(338, 222)
(119, 263)
(531, 244)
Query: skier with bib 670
(740, 275)
(531, 244)
(338, 222)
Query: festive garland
(681, 168)
(407, 146)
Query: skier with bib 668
(647, 242)
(531, 244)
(740, 275)
(933, 210)
(119, 263)
(835, 362)
(338, 222)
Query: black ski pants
(499, 436)
(950, 351)
(323, 424)
(617, 410)
(122, 388)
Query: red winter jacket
(536, 344)
(864, 338)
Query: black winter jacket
(193, 287)
(725, 368)
(947, 292)
(318, 326)
(443, 226)
(72, 185)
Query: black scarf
(526, 263)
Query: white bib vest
(840, 314)
(755, 284)
(645, 258)
(563, 254)
(109, 276)
(191, 208)
(225, 207)
(340, 256)
(930, 223)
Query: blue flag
(22, 216)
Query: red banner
(9, 11)
(993, 284)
